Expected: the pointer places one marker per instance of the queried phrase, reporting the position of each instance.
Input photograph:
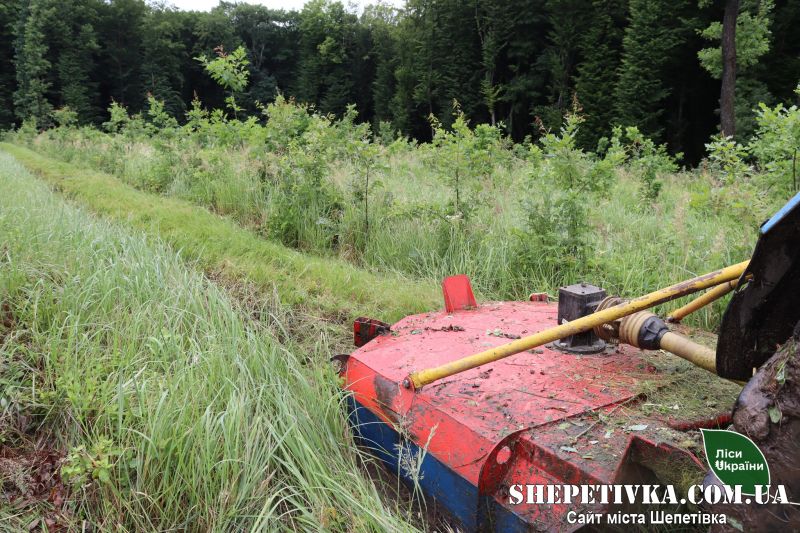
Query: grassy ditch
(331, 287)
(136, 391)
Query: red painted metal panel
(535, 410)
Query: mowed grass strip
(331, 286)
(173, 411)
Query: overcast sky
(205, 5)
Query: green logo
(735, 459)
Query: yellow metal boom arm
(703, 300)
(421, 378)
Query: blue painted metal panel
(777, 217)
(456, 494)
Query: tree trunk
(728, 91)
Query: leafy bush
(159, 121)
(303, 208)
(644, 158)
(368, 166)
(287, 121)
(567, 181)
(65, 117)
(775, 145)
(727, 157)
(118, 118)
(464, 159)
(229, 71)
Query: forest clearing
(182, 280)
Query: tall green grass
(177, 413)
(328, 286)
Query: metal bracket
(458, 293)
(365, 329)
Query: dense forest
(654, 64)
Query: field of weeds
(138, 395)
(515, 218)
